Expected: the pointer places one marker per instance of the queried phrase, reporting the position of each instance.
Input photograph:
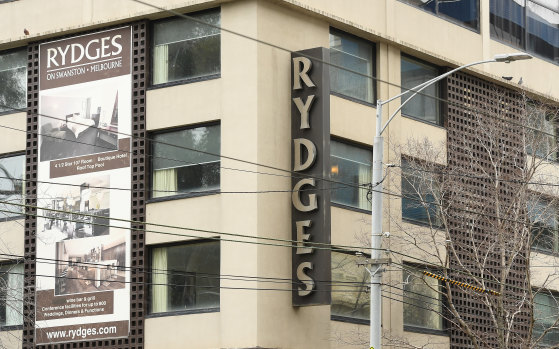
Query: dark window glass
(185, 49)
(424, 106)
(423, 305)
(12, 186)
(543, 29)
(350, 294)
(11, 294)
(350, 165)
(184, 161)
(185, 277)
(529, 25)
(543, 218)
(507, 21)
(13, 81)
(465, 12)
(356, 55)
(419, 195)
(546, 312)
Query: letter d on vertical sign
(310, 199)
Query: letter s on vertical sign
(307, 280)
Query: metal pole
(376, 226)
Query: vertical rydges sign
(310, 130)
(83, 229)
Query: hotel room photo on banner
(83, 189)
(80, 121)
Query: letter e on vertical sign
(310, 154)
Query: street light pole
(377, 188)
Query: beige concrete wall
(289, 327)
(13, 127)
(251, 100)
(72, 16)
(11, 239)
(432, 38)
(231, 100)
(11, 339)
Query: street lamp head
(509, 57)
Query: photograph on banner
(82, 120)
(90, 264)
(77, 208)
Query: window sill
(350, 208)
(13, 218)
(184, 81)
(418, 329)
(16, 110)
(423, 121)
(420, 223)
(11, 327)
(183, 196)
(183, 312)
(509, 44)
(349, 320)
(349, 98)
(542, 251)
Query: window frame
(445, 331)
(436, 224)
(9, 155)
(150, 181)
(451, 19)
(555, 295)
(359, 146)
(549, 202)
(10, 51)
(554, 121)
(14, 262)
(524, 45)
(442, 90)
(184, 81)
(149, 260)
(343, 318)
(374, 48)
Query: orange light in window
(335, 169)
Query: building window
(350, 288)
(11, 294)
(356, 55)
(546, 313)
(185, 277)
(420, 194)
(425, 105)
(423, 301)
(541, 136)
(531, 25)
(351, 165)
(186, 161)
(184, 49)
(465, 12)
(12, 186)
(13, 81)
(542, 215)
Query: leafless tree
(479, 210)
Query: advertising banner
(83, 189)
